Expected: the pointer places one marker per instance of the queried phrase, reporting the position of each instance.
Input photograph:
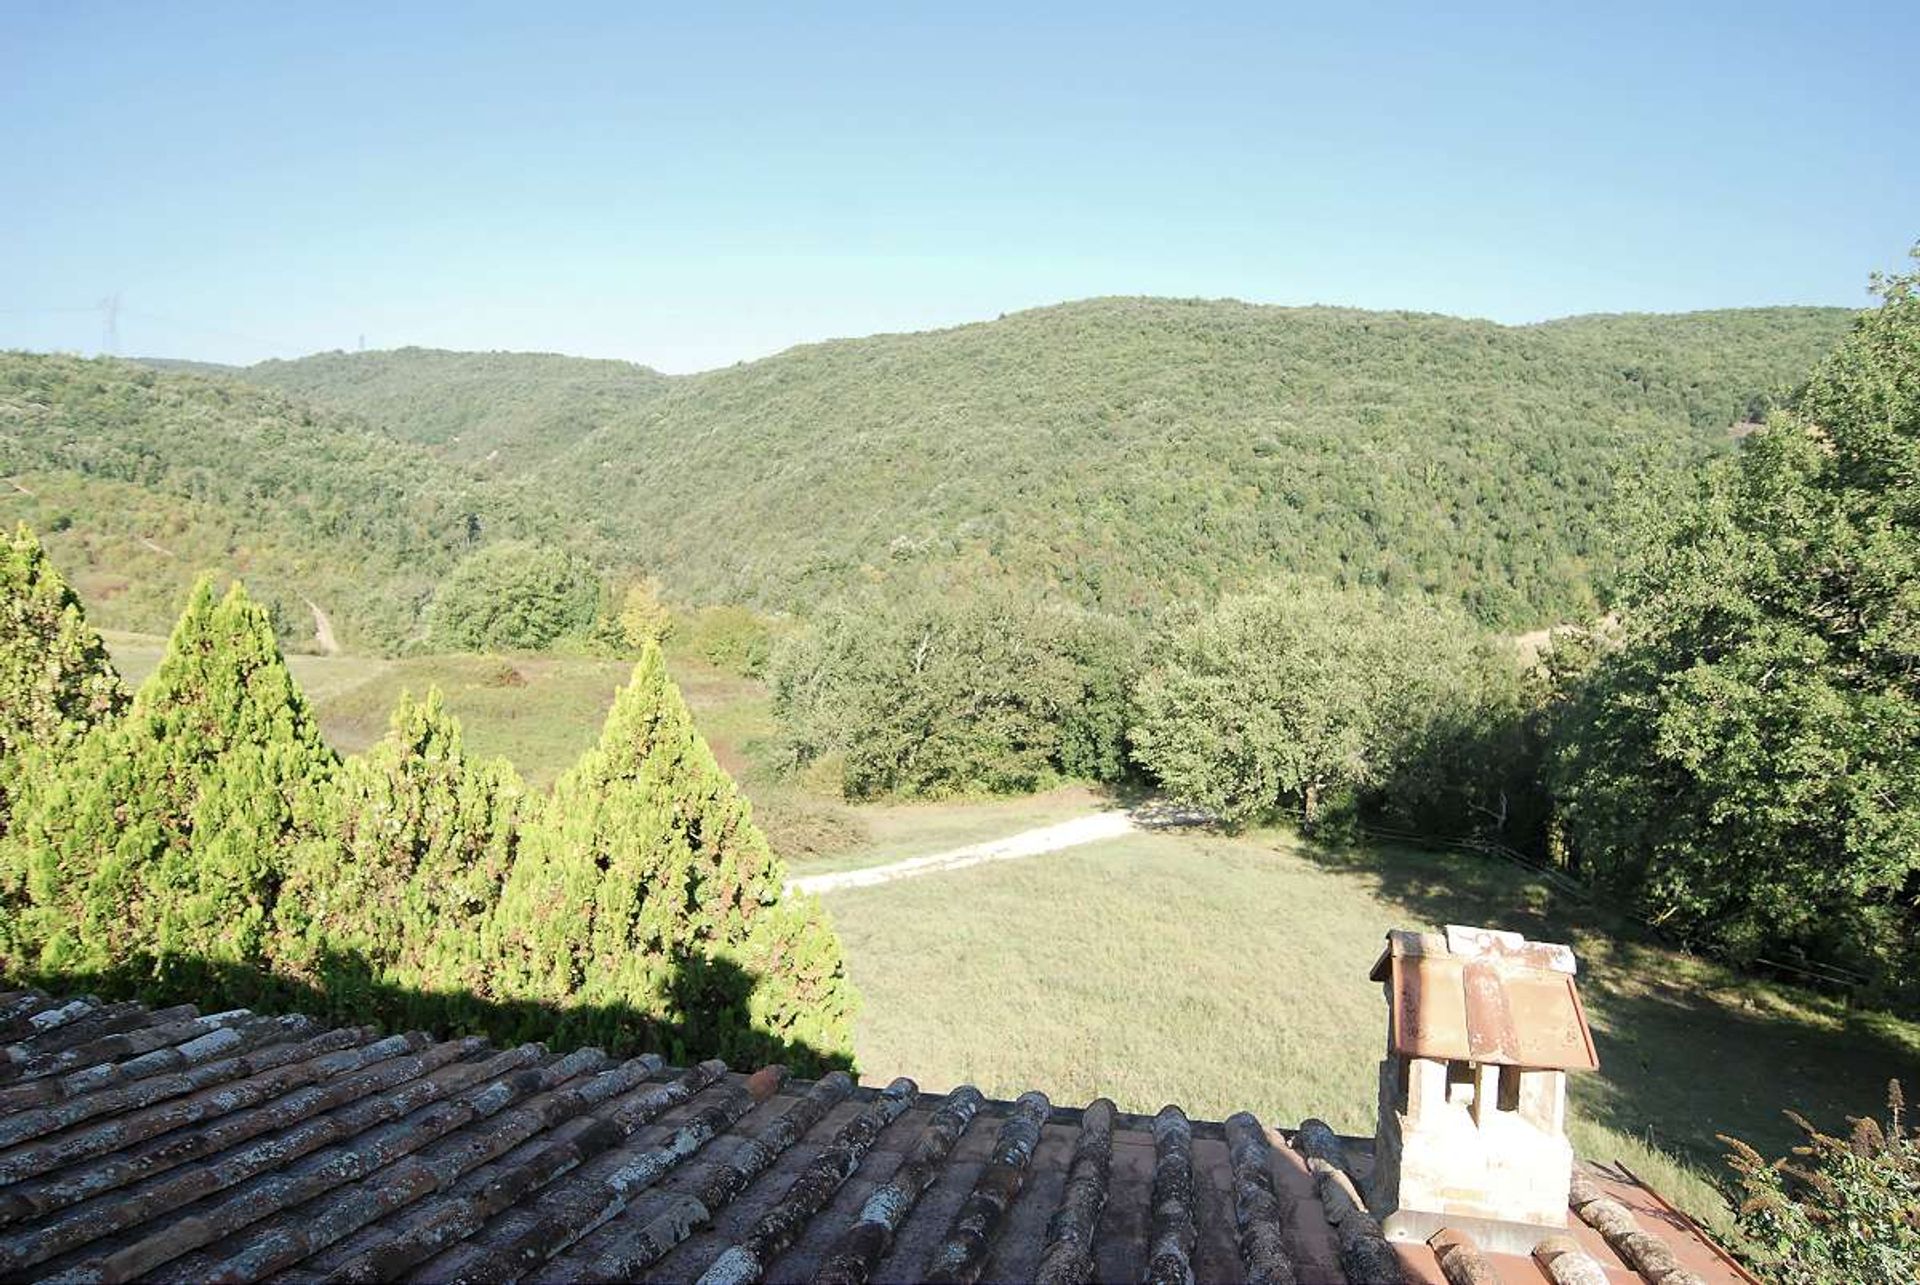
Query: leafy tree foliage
(514, 596)
(1837, 1209)
(1472, 765)
(56, 680)
(1297, 694)
(633, 617)
(1747, 765)
(644, 886)
(644, 617)
(945, 692)
(393, 892)
(736, 639)
(159, 843)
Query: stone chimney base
(1413, 1226)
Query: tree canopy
(1747, 764)
(56, 680)
(514, 596)
(1295, 694)
(977, 689)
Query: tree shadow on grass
(1153, 810)
(707, 999)
(1689, 1049)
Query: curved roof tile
(163, 1145)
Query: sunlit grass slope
(1230, 973)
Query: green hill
(141, 479)
(496, 408)
(1134, 452)
(1126, 453)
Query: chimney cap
(1484, 995)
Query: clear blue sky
(690, 189)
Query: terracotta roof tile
(169, 1146)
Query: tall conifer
(55, 678)
(647, 902)
(384, 909)
(155, 849)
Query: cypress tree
(647, 905)
(152, 853)
(56, 681)
(384, 908)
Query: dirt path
(1015, 847)
(322, 630)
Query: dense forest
(1133, 453)
(1730, 753)
(502, 409)
(1120, 454)
(143, 480)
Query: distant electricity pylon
(110, 324)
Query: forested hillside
(143, 479)
(498, 408)
(1120, 453)
(1128, 452)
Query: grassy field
(1220, 972)
(1231, 972)
(894, 831)
(540, 712)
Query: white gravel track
(1027, 843)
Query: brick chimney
(1482, 1027)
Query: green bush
(388, 898)
(940, 693)
(514, 596)
(156, 848)
(208, 847)
(644, 886)
(1297, 695)
(733, 638)
(1836, 1209)
(56, 680)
